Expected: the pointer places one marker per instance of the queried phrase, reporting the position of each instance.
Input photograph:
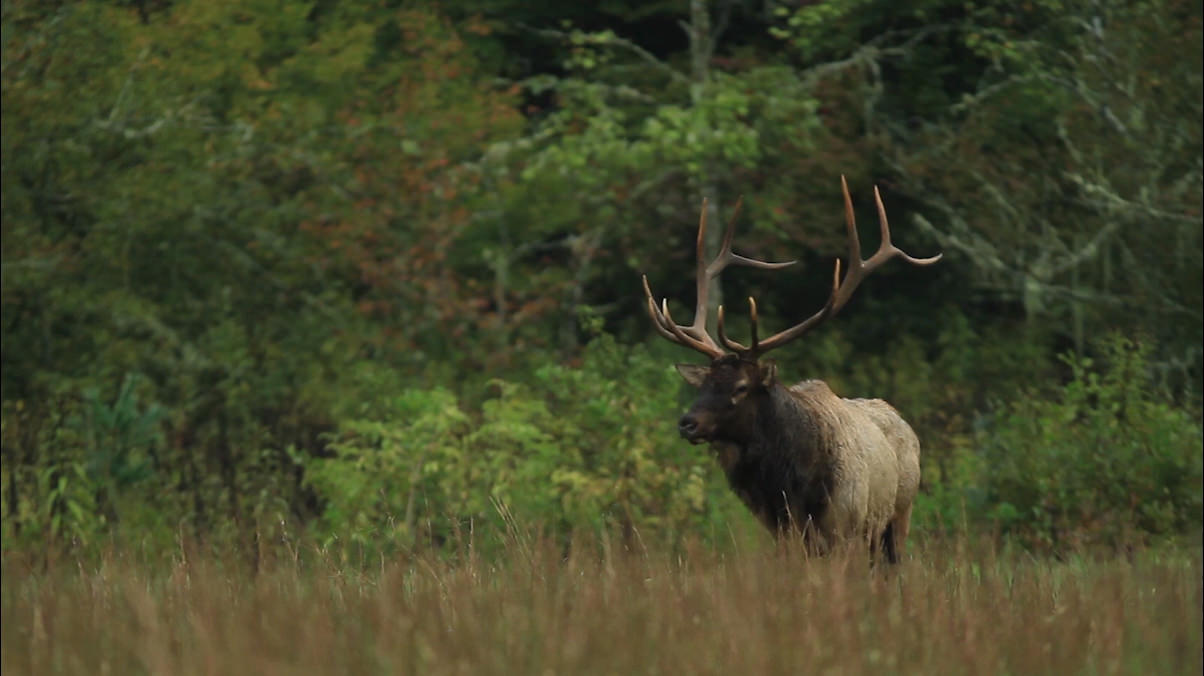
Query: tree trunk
(700, 77)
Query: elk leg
(895, 534)
(888, 543)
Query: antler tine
(782, 337)
(728, 342)
(884, 227)
(858, 270)
(663, 322)
(706, 346)
(727, 257)
(850, 220)
(695, 334)
(733, 345)
(654, 313)
(724, 258)
(752, 321)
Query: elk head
(736, 377)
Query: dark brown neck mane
(781, 451)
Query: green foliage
(120, 443)
(383, 472)
(204, 199)
(616, 413)
(1105, 460)
(272, 269)
(121, 439)
(1109, 236)
(96, 464)
(587, 449)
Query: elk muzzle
(695, 428)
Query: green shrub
(1107, 460)
(384, 472)
(578, 448)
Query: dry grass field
(950, 608)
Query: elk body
(801, 458)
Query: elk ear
(769, 374)
(693, 373)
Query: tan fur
(874, 457)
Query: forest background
(367, 275)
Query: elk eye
(741, 389)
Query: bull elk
(801, 458)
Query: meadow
(951, 607)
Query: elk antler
(695, 335)
(859, 269)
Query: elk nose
(687, 426)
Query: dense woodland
(367, 274)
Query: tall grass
(949, 608)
